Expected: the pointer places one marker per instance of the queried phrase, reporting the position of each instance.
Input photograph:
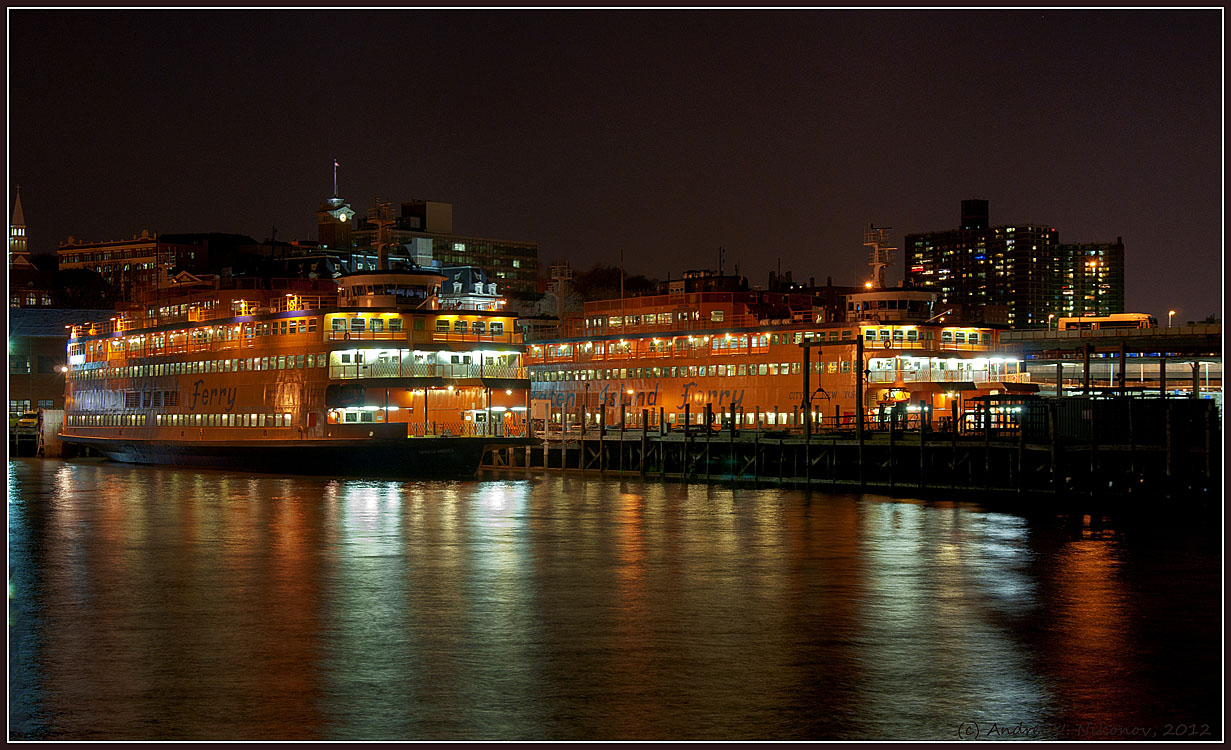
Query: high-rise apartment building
(1092, 279)
(1023, 267)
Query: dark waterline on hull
(150, 603)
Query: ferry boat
(376, 373)
(666, 360)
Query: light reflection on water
(160, 603)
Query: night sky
(777, 135)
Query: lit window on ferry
(357, 325)
(974, 338)
(959, 338)
(337, 324)
(480, 327)
(377, 325)
(460, 326)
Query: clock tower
(334, 219)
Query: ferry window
(762, 369)
(614, 321)
(351, 416)
(283, 328)
(870, 334)
(377, 325)
(833, 367)
(395, 325)
(337, 324)
(299, 361)
(497, 328)
(357, 325)
(884, 334)
(716, 316)
(912, 335)
(480, 326)
(898, 335)
(773, 369)
(846, 334)
(795, 368)
(442, 325)
(846, 366)
(312, 325)
(293, 326)
(974, 338)
(946, 337)
(959, 338)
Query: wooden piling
(893, 439)
(645, 426)
(709, 420)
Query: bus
(1116, 320)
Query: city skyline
(776, 135)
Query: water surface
(154, 603)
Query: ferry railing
(403, 369)
(946, 376)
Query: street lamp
(1170, 315)
(1049, 318)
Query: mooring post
(623, 419)
(987, 444)
(893, 439)
(1162, 375)
(1211, 417)
(756, 458)
(1059, 380)
(602, 453)
(1132, 441)
(1123, 367)
(923, 434)
(645, 428)
(1021, 449)
(1085, 368)
(687, 441)
(1053, 432)
(953, 437)
(1093, 443)
(709, 423)
(1167, 437)
(859, 404)
(1196, 380)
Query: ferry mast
(881, 255)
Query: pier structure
(1172, 362)
(1092, 442)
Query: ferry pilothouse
(375, 373)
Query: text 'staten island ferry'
(376, 374)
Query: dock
(1071, 447)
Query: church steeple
(19, 252)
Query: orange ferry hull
(427, 458)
